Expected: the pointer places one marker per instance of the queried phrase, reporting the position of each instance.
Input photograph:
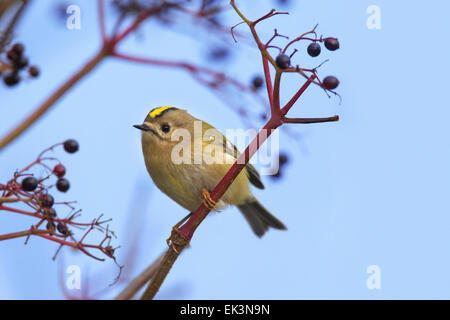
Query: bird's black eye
(165, 128)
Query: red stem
(188, 229)
(294, 99)
(101, 20)
(194, 69)
(268, 81)
(31, 214)
(300, 38)
(19, 234)
(136, 23)
(78, 246)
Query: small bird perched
(188, 183)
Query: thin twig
(101, 21)
(5, 36)
(310, 120)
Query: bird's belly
(184, 183)
(178, 186)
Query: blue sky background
(371, 189)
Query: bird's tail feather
(259, 218)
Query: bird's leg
(175, 229)
(179, 223)
(208, 201)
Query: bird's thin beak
(142, 127)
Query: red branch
(101, 21)
(197, 70)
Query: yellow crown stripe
(157, 111)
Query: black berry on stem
(12, 55)
(283, 61)
(50, 226)
(71, 146)
(29, 184)
(47, 201)
(21, 63)
(62, 228)
(62, 184)
(18, 48)
(11, 78)
(314, 49)
(50, 213)
(330, 82)
(331, 44)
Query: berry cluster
(29, 184)
(35, 194)
(283, 61)
(16, 61)
(314, 48)
(46, 200)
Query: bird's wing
(252, 173)
(254, 177)
(231, 149)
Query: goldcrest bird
(188, 183)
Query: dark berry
(33, 71)
(71, 146)
(330, 82)
(51, 226)
(314, 49)
(47, 201)
(18, 48)
(50, 213)
(11, 78)
(62, 228)
(219, 54)
(331, 44)
(283, 61)
(276, 175)
(12, 55)
(59, 170)
(21, 63)
(257, 82)
(283, 159)
(62, 184)
(29, 184)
